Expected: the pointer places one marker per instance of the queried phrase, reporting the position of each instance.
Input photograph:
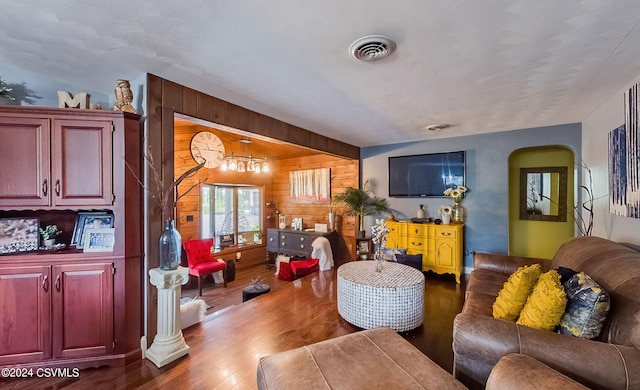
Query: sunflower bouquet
(456, 193)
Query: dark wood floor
(225, 348)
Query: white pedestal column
(168, 345)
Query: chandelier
(239, 163)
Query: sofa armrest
(505, 264)
(521, 372)
(479, 342)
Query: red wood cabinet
(25, 312)
(82, 303)
(71, 308)
(64, 311)
(55, 162)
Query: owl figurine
(124, 96)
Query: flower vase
(446, 219)
(170, 247)
(457, 213)
(421, 213)
(377, 256)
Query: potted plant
(361, 202)
(49, 234)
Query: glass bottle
(170, 247)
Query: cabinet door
(24, 161)
(25, 314)
(82, 162)
(82, 310)
(446, 255)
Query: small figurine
(124, 96)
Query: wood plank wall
(344, 173)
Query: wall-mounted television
(425, 175)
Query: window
(232, 215)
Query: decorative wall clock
(207, 147)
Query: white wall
(595, 133)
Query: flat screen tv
(425, 175)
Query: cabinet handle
(445, 233)
(301, 246)
(58, 187)
(416, 243)
(301, 238)
(45, 283)
(58, 283)
(45, 187)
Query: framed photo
(227, 240)
(99, 240)
(90, 221)
(363, 246)
(18, 235)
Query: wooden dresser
(69, 307)
(298, 242)
(440, 245)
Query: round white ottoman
(392, 298)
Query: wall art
(624, 160)
(310, 185)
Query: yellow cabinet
(439, 245)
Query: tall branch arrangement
(585, 223)
(161, 193)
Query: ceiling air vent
(372, 48)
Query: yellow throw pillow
(545, 306)
(514, 293)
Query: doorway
(540, 236)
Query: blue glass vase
(170, 247)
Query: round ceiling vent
(372, 48)
(437, 127)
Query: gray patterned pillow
(587, 307)
(389, 254)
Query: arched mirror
(543, 194)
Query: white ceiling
(481, 66)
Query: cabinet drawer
(272, 240)
(397, 228)
(296, 242)
(417, 230)
(446, 233)
(415, 244)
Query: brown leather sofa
(610, 362)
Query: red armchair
(201, 262)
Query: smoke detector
(372, 48)
(437, 127)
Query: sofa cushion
(546, 304)
(414, 261)
(587, 307)
(514, 293)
